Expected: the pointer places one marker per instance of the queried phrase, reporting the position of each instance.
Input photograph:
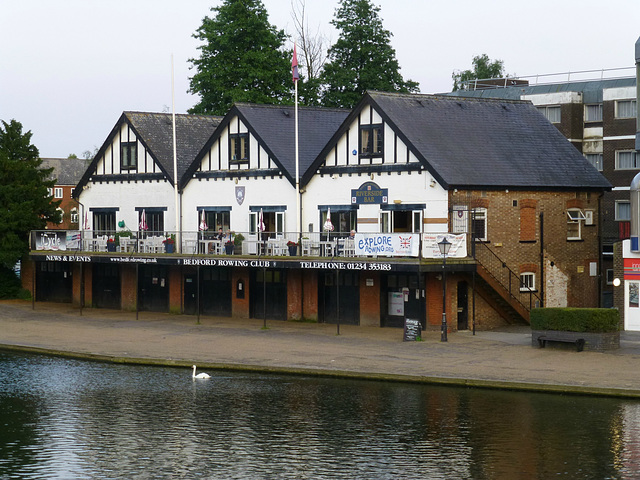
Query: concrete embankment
(496, 359)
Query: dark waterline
(63, 418)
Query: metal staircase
(499, 286)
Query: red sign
(632, 268)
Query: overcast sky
(68, 69)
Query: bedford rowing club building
(380, 187)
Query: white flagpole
(298, 207)
(175, 162)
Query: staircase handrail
(512, 276)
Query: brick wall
(570, 259)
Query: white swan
(200, 375)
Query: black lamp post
(444, 245)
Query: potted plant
(169, 244)
(228, 247)
(237, 242)
(293, 248)
(111, 245)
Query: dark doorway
(275, 283)
(106, 285)
(153, 288)
(215, 291)
(463, 306)
(349, 293)
(401, 298)
(54, 282)
(190, 294)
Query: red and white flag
(294, 65)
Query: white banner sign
(388, 244)
(430, 247)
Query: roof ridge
(442, 96)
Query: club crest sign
(240, 195)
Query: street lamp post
(444, 245)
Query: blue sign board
(369, 193)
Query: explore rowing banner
(388, 244)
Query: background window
(623, 211)
(595, 159)
(551, 113)
(593, 112)
(626, 160)
(626, 109)
(74, 215)
(58, 192)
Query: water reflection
(69, 419)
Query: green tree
(24, 195)
(242, 59)
(362, 58)
(483, 68)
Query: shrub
(593, 320)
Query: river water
(68, 419)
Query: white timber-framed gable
(369, 154)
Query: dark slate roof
(590, 89)
(475, 143)
(274, 128)
(66, 171)
(156, 132)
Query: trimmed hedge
(594, 320)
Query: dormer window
(371, 140)
(239, 148)
(128, 156)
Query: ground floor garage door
(153, 288)
(269, 285)
(54, 282)
(106, 285)
(346, 293)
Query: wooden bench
(561, 337)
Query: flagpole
(178, 248)
(298, 206)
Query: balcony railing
(320, 244)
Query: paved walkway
(500, 358)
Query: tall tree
(362, 58)
(242, 59)
(312, 48)
(483, 68)
(24, 194)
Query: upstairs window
(58, 192)
(551, 113)
(626, 160)
(593, 112)
(626, 109)
(239, 147)
(575, 217)
(479, 224)
(128, 156)
(371, 140)
(595, 159)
